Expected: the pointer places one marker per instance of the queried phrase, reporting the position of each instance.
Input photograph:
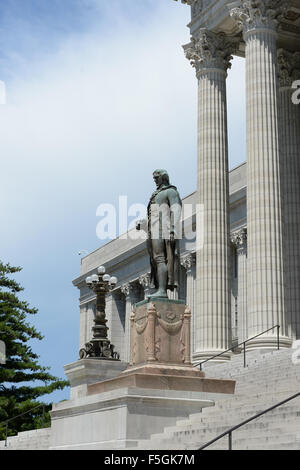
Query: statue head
(161, 177)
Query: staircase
(269, 378)
(38, 439)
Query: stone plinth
(88, 371)
(120, 418)
(160, 333)
(159, 387)
(164, 381)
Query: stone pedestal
(120, 418)
(159, 386)
(160, 356)
(160, 332)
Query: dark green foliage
(18, 390)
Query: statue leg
(159, 257)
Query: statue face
(158, 178)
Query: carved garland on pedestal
(170, 328)
(152, 343)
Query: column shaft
(188, 262)
(239, 240)
(289, 70)
(265, 280)
(213, 296)
(212, 323)
(116, 321)
(264, 218)
(131, 297)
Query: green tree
(18, 388)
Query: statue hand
(172, 238)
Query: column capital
(239, 239)
(288, 67)
(128, 288)
(254, 15)
(188, 260)
(145, 280)
(210, 51)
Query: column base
(269, 343)
(200, 356)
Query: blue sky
(98, 95)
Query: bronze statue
(164, 214)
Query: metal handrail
(22, 414)
(244, 344)
(230, 431)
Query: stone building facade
(244, 278)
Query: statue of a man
(164, 218)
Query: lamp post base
(99, 348)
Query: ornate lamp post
(100, 347)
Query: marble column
(289, 71)
(83, 331)
(239, 241)
(130, 291)
(258, 19)
(210, 54)
(188, 261)
(87, 315)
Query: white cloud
(2, 92)
(85, 125)
(97, 117)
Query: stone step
(212, 420)
(232, 421)
(251, 429)
(293, 405)
(251, 441)
(268, 429)
(268, 379)
(28, 440)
